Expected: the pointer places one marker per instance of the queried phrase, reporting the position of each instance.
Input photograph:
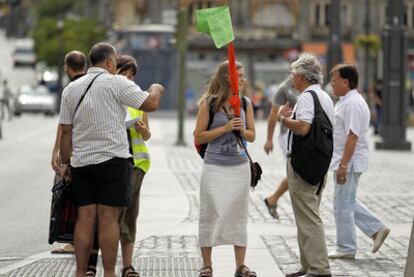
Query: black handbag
(63, 213)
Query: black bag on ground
(63, 214)
(312, 154)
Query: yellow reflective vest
(139, 149)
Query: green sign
(216, 22)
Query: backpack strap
(244, 103)
(211, 113)
(316, 105)
(316, 102)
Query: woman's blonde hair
(218, 89)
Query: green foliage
(52, 8)
(52, 42)
(372, 42)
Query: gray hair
(308, 66)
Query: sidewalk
(167, 241)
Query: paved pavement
(167, 244)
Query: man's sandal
(244, 271)
(91, 271)
(129, 271)
(206, 271)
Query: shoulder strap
(210, 114)
(244, 103)
(317, 104)
(86, 91)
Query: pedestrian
(138, 133)
(5, 100)
(74, 65)
(376, 97)
(225, 177)
(349, 161)
(306, 75)
(284, 93)
(94, 151)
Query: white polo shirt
(305, 109)
(351, 113)
(98, 132)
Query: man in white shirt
(306, 75)
(349, 161)
(95, 152)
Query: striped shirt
(98, 132)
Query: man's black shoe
(296, 274)
(316, 275)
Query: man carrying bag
(309, 152)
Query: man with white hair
(306, 75)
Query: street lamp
(393, 129)
(60, 24)
(182, 31)
(334, 42)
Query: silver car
(35, 99)
(24, 53)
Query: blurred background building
(269, 34)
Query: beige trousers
(310, 231)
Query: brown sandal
(206, 271)
(244, 271)
(129, 271)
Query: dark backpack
(201, 148)
(312, 154)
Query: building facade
(269, 32)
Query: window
(327, 15)
(321, 12)
(405, 16)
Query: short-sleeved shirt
(225, 150)
(351, 114)
(98, 132)
(285, 93)
(305, 108)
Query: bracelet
(343, 166)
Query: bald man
(75, 67)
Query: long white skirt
(224, 200)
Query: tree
(53, 42)
(59, 29)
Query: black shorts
(107, 183)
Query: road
(24, 175)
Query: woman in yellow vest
(138, 133)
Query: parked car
(35, 99)
(24, 53)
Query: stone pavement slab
(167, 227)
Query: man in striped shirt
(94, 150)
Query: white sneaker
(379, 238)
(339, 255)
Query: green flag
(216, 22)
